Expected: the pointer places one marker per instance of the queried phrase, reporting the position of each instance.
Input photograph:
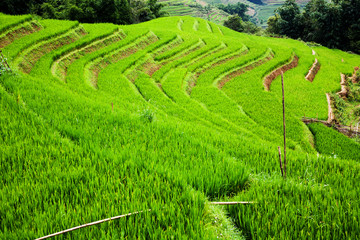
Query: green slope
(195, 8)
(100, 120)
(259, 13)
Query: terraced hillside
(194, 8)
(166, 117)
(260, 13)
(263, 12)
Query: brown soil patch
(35, 54)
(19, 33)
(61, 65)
(184, 54)
(149, 67)
(343, 94)
(313, 71)
(344, 90)
(192, 83)
(228, 59)
(355, 78)
(176, 42)
(240, 71)
(95, 69)
(206, 55)
(346, 130)
(269, 78)
(218, 63)
(132, 76)
(251, 11)
(331, 115)
(202, 3)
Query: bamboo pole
(284, 124)
(126, 215)
(91, 224)
(231, 203)
(281, 167)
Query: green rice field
(194, 9)
(166, 117)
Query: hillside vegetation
(258, 10)
(194, 8)
(99, 120)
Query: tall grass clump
(330, 142)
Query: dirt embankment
(240, 71)
(150, 67)
(218, 63)
(331, 115)
(202, 3)
(119, 55)
(344, 90)
(192, 82)
(251, 12)
(61, 65)
(313, 71)
(36, 53)
(343, 93)
(20, 32)
(274, 74)
(183, 54)
(172, 44)
(346, 130)
(355, 77)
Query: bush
(147, 115)
(3, 68)
(234, 22)
(357, 111)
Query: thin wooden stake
(283, 103)
(230, 203)
(91, 224)
(112, 106)
(281, 167)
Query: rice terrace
(170, 120)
